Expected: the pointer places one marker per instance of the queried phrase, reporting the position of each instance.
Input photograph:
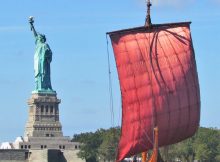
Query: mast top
(148, 18)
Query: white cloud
(177, 3)
(171, 3)
(12, 28)
(216, 1)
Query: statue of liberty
(42, 60)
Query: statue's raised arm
(31, 21)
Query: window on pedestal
(27, 155)
(56, 110)
(51, 109)
(47, 109)
(42, 108)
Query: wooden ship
(159, 86)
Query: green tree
(186, 151)
(204, 146)
(183, 151)
(207, 144)
(108, 148)
(90, 144)
(202, 152)
(217, 158)
(99, 145)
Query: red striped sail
(159, 85)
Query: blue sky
(75, 31)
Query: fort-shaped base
(43, 118)
(45, 155)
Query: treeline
(101, 145)
(98, 146)
(204, 146)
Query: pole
(148, 18)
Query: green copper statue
(42, 60)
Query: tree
(202, 152)
(207, 144)
(183, 151)
(108, 148)
(101, 144)
(204, 146)
(90, 144)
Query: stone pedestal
(43, 118)
(49, 155)
(43, 137)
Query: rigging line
(154, 43)
(154, 118)
(111, 102)
(150, 75)
(142, 55)
(167, 95)
(184, 76)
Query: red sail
(159, 85)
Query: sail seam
(195, 73)
(148, 75)
(187, 89)
(138, 100)
(153, 95)
(174, 78)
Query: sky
(76, 32)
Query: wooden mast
(148, 18)
(144, 156)
(154, 156)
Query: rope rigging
(111, 102)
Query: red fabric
(159, 86)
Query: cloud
(216, 1)
(179, 3)
(168, 3)
(88, 82)
(13, 28)
(6, 81)
(176, 3)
